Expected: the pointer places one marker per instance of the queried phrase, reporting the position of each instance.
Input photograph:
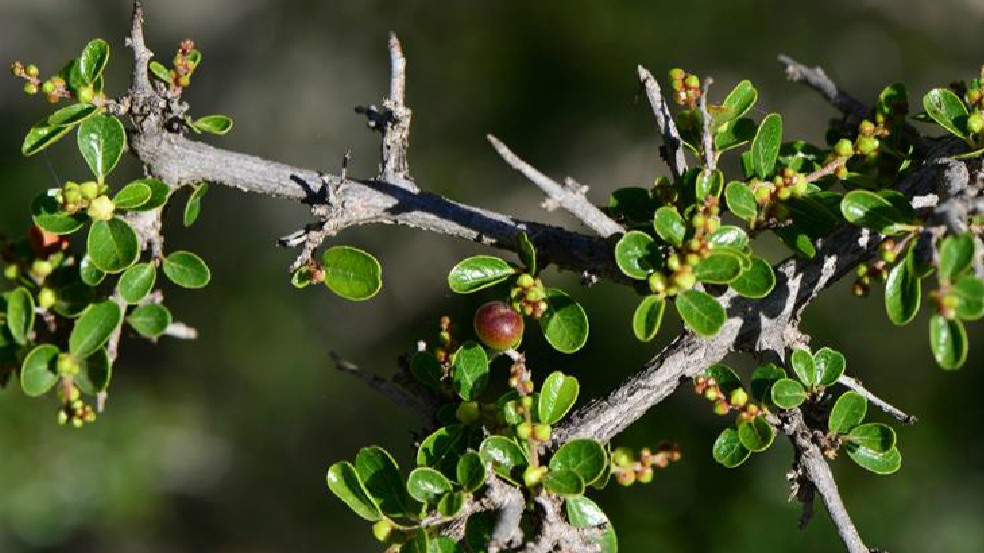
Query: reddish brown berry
(498, 326)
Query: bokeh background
(221, 444)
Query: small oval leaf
(187, 270)
(477, 273)
(702, 313)
(93, 328)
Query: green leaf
(765, 146)
(969, 290)
(830, 365)
(756, 281)
(739, 101)
(874, 436)
(647, 317)
(728, 449)
(636, 254)
(956, 256)
(132, 196)
(869, 210)
(947, 110)
(585, 457)
(48, 130)
(95, 373)
(788, 393)
(137, 282)
(93, 61)
(101, 141)
(756, 435)
(47, 213)
(89, 273)
(344, 482)
(73, 298)
(847, 413)
(797, 241)
(563, 482)
(150, 320)
(734, 134)
(526, 251)
(20, 315)
(564, 325)
(729, 236)
(442, 449)
(427, 485)
(878, 463)
(470, 472)
(763, 379)
(443, 544)
(159, 71)
(702, 313)
(902, 294)
(477, 273)
(451, 504)
(726, 378)
(159, 194)
(741, 201)
(504, 454)
(352, 273)
(418, 543)
(470, 370)
(634, 204)
(427, 369)
(584, 513)
(557, 396)
(804, 367)
(709, 184)
(187, 270)
(39, 371)
(112, 245)
(669, 226)
(948, 340)
(194, 206)
(93, 328)
(215, 124)
(478, 531)
(720, 267)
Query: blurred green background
(221, 444)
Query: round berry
(46, 298)
(41, 268)
(626, 478)
(844, 148)
(527, 402)
(102, 208)
(645, 475)
(525, 281)
(67, 365)
(11, 272)
(975, 123)
(692, 81)
(48, 87)
(533, 475)
(542, 432)
(677, 74)
(622, 457)
(32, 70)
(762, 195)
(867, 128)
(867, 145)
(739, 397)
(524, 431)
(684, 280)
(468, 412)
(86, 94)
(89, 190)
(30, 88)
(498, 326)
(382, 530)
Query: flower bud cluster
(737, 400)
(528, 296)
(629, 468)
(686, 87)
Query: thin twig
(571, 198)
(672, 150)
(396, 130)
(817, 79)
(885, 406)
(389, 389)
(710, 159)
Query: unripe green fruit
(67, 365)
(498, 326)
(534, 295)
(721, 408)
(657, 283)
(32, 70)
(712, 394)
(692, 81)
(844, 148)
(975, 123)
(62, 417)
(677, 74)
(622, 457)
(739, 397)
(41, 268)
(48, 87)
(11, 272)
(525, 280)
(89, 189)
(762, 195)
(30, 88)
(533, 475)
(684, 280)
(867, 128)
(184, 81)
(626, 478)
(468, 412)
(541, 432)
(382, 530)
(713, 224)
(86, 94)
(693, 258)
(784, 194)
(102, 208)
(46, 298)
(801, 186)
(645, 475)
(524, 431)
(673, 263)
(867, 145)
(527, 402)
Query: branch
(396, 131)
(710, 159)
(877, 401)
(386, 387)
(571, 197)
(817, 79)
(672, 150)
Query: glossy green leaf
(443, 544)
(755, 282)
(101, 140)
(756, 435)
(95, 372)
(947, 110)
(150, 320)
(53, 127)
(728, 450)
(670, 226)
(194, 206)
(709, 184)
(427, 369)
(874, 436)
(479, 272)
(902, 294)
(351, 273)
(763, 378)
(563, 482)
(734, 134)
(39, 371)
(419, 542)
(647, 317)
(956, 256)
(636, 254)
(73, 298)
(47, 213)
(804, 367)
(565, 324)
(470, 370)
(584, 513)
(93, 60)
(526, 251)
(159, 194)
(725, 377)
(89, 273)
(442, 449)
(729, 236)
(788, 393)
(343, 481)
(158, 70)
(738, 102)
(765, 146)
(187, 270)
(451, 504)
(20, 314)
(93, 328)
(132, 196)
(470, 472)
(830, 365)
(585, 457)
(872, 211)
(112, 245)
(504, 454)
(797, 241)
(557, 396)
(215, 124)
(948, 341)
(702, 313)
(380, 475)
(720, 267)
(969, 291)
(478, 531)
(879, 463)
(848, 412)
(137, 282)
(427, 485)
(634, 204)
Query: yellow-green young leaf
(948, 340)
(48, 130)
(728, 450)
(557, 396)
(470, 370)
(442, 449)
(215, 124)
(132, 196)
(956, 256)
(470, 472)
(720, 267)
(93, 60)
(352, 273)
(584, 513)
(872, 211)
(505, 456)
(647, 318)
(380, 475)
(343, 481)
(150, 320)
(187, 270)
(47, 213)
(969, 290)
(873, 436)
(804, 367)
(39, 371)
(756, 281)
(756, 435)
(763, 379)
(636, 254)
(587, 458)
(159, 194)
(788, 393)
(947, 110)
(669, 226)
(101, 141)
(93, 328)
(709, 183)
(563, 482)
(20, 314)
(159, 71)
(878, 463)
(527, 252)
(765, 146)
(565, 324)
(830, 366)
(95, 373)
(847, 413)
(902, 294)
(702, 313)
(112, 245)
(741, 99)
(137, 282)
(477, 273)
